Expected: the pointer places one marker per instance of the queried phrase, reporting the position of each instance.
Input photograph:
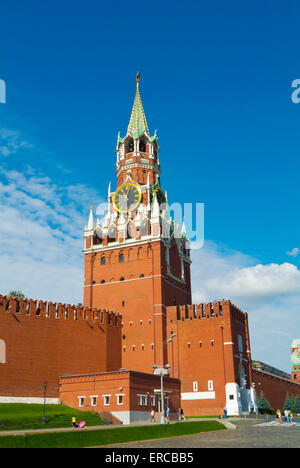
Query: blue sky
(216, 84)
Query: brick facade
(274, 388)
(127, 395)
(42, 341)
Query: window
(142, 400)
(2, 352)
(103, 261)
(153, 400)
(130, 146)
(103, 282)
(81, 402)
(120, 400)
(210, 385)
(93, 401)
(142, 146)
(121, 258)
(240, 343)
(231, 397)
(122, 278)
(106, 400)
(195, 386)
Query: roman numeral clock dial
(127, 198)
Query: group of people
(288, 415)
(180, 415)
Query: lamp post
(44, 409)
(163, 419)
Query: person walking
(225, 412)
(292, 419)
(287, 415)
(278, 417)
(181, 415)
(168, 415)
(152, 416)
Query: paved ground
(248, 434)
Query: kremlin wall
(138, 318)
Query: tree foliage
(263, 405)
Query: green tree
(288, 403)
(16, 294)
(263, 405)
(296, 405)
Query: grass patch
(22, 417)
(107, 436)
(202, 417)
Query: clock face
(127, 198)
(159, 194)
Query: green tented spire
(138, 123)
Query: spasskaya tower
(137, 259)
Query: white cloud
(41, 236)
(294, 252)
(270, 294)
(11, 141)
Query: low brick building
(126, 395)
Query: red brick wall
(40, 348)
(206, 349)
(274, 388)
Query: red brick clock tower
(137, 260)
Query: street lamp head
(154, 366)
(171, 338)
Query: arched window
(121, 258)
(142, 146)
(122, 278)
(130, 146)
(131, 231)
(2, 352)
(103, 261)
